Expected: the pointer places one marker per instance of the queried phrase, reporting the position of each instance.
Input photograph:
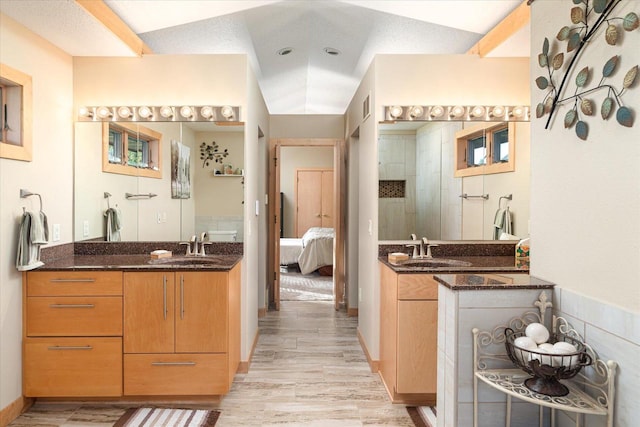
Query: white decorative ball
(538, 332)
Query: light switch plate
(56, 233)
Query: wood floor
(308, 370)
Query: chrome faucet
(426, 246)
(415, 246)
(192, 242)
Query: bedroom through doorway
(304, 243)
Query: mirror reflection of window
(115, 146)
(501, 146)
(477, 151)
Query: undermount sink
(188, 260)
(435, 262)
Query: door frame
(273, 245)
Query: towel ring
(26, 193)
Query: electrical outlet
(56, 233)
(159, 216)
(85, 228)
(164, 217)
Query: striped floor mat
(167, 417)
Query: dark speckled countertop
(470, 264)
(479, 281)
(135, 256)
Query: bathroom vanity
(119, 326)
(412, 319)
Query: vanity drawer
(175, 374)
(417, 287)
(69, 367)
(74, 283)
(74, 316)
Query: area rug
(167, 417)
(311, 287)
(422, 416)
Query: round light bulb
(518, 111)
(498, 111)
(124, 112)
(457, 111)
(103, 112)
(395, 111)
(227, 112)
(206, 112)
(416, 111)
(84, 112)
(478, 111)
(437, 111)
(166, 111)
(145, 112)
(186, 112)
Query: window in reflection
(131, 150)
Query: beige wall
(293, 158)
(585, 198)
(426, 79)
(306, 126)
(50, 174)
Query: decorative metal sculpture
(588, 17)
(210, 152)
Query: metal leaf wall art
(210, 152)
(588, 18)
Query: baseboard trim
(262, 312)
(243, 366)
(373, 364)
(352, 312)
(14, 409)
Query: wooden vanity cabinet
(408, 336)
(72, 326)
(181, 332)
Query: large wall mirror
(152, 175)
(453, 180)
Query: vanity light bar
(164, 113)
(480, 113)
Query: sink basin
(189, 260)
(435, 263)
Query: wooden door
(201, 312)
(149, 312)
(308, 200)
(327, 199)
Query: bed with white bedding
(290, 250)
(317, 249)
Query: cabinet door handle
(164, 296)
(181, 297)
(71, 305)
(70, 347)
(173, 363)
(87, 280)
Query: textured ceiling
(307, 81)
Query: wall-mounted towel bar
(26, 193)
(139, 196)
(482, 196)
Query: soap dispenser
(522, 254)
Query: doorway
(276, 209)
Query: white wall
(426, 80)
(585, 195)
(292, 158)
(50, 174)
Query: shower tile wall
(221, 223)
(397, 216)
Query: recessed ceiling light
(285, 51)
(332, 51)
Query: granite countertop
(461, 264)
(479, 281)
(142, 262)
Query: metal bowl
(547, 369)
